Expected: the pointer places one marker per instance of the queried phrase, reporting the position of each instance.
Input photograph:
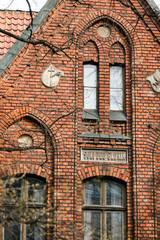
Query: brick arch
(117, 49)
(95, 171)
(41, 118)
(24, 168)
(114, 17)
(84, 41)
(152, 141)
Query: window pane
(90, 75)
(114, 225)
(116, 99)
(13, 187)
(35, 190)
(93, 193)
(34, 233)
(116, 88)
(12, 231)
(113, 194)
(116, 77)
(92, 225)
(90, 100)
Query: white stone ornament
(51, 76)
(25, 141)
(154, 80)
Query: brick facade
(53, 117)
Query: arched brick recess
(103, 171)
(98, 15)
(84, 41)
(108, 44)
(19, 113)
(154, 137)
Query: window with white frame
(90, 86)
(116, 88)
(104, 210)
(24, 204)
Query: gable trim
(18, 45)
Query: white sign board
(106, 155)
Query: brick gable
(56, 116)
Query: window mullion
(23, 231)
(103, 210)
(24, 197)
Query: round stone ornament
(51, 76)
(103, 31)
(25, 141)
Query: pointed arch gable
(41, 118)
(114, 17)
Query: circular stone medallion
(25, 141)
(103, 31)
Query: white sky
(35, 4)
(157, 2)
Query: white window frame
(90, 101)
(117, 94)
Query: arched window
(104, 210)
(24, 208)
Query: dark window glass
(35, 190)
(114, 225)
(34, 232)
(113, 193)
(92, 225)
(12, 231)
(13, 188)
(93, 193)
(26, 203)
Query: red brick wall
(25, 100)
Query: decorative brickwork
(59, 125)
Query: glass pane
(36, 190)
(13, 188)
(116, 77)
(93, 193)
(113, 194)
(114, 226)
(90, 98)
(116, 99)
(92, 225)
(90, 75)
(34, 233)
(12, 231)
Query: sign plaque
(106, 155)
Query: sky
(157, 2)
(35, 4)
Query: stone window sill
(90, 115)
(117, 116)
